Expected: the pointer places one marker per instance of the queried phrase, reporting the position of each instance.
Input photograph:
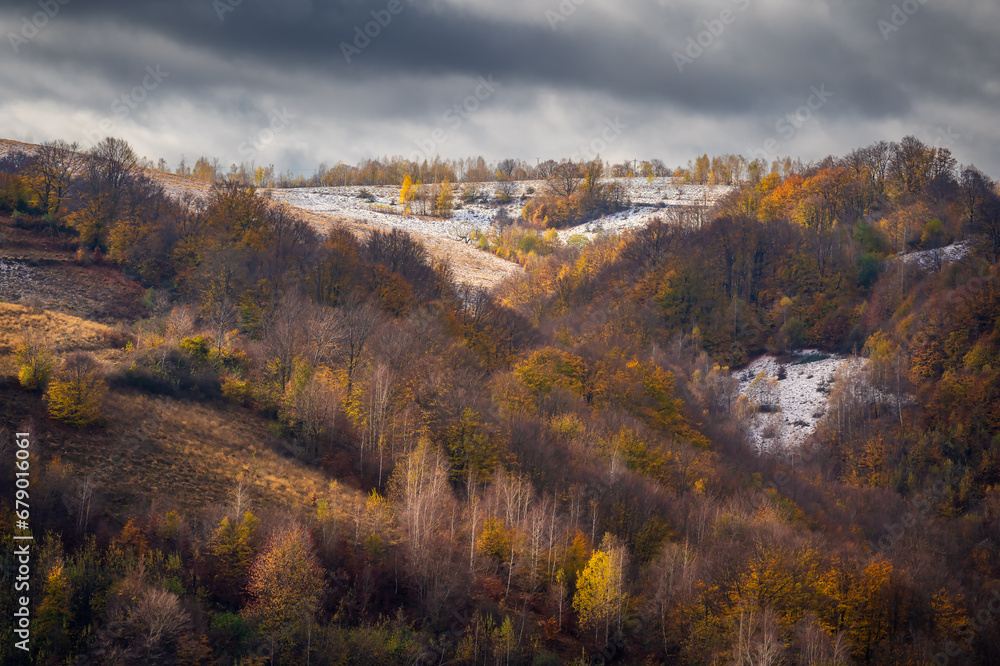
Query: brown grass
(188, 455)
(64, 332)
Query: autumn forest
(271, 441)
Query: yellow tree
(407, 193)
(34, 357)
(286, 582)
(600, 590)
(54, 612)
(76, 393)
(234, 554)
(445, 201)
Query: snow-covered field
(451, 239)
(659, 197)
(793, 406)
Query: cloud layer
(298, 82)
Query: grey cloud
(604, 58)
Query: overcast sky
(296, 82)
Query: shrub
(183, 372)
(197, 346)
(76, 393)
(795, 332)
(868, 269)
(36, 362)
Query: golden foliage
(76, 393)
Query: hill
(329, 446)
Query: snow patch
(649, 199)
(935, 259)
(790, 408)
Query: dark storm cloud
(563, 68)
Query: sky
(294, 83)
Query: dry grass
(189, 455)
(64, 332)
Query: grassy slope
(190, 454)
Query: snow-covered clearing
(662, 196)
(451, 239)
(786, 411)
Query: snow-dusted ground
(649, 199)
(794, 405)
(932, 259)
(16, 280)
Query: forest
(554, 471)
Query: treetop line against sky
(294, 83)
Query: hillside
(775, 431)
(472, 267)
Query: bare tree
(284, 334)
(377, 405)
(424, 502)
(506, 168)
(756, 641)
(50, 173)
(565, 179)
(360, 319)
(975, 188)
(545, 169)
(324, 332)
(161, 620)
(990, 225)
(112, 165)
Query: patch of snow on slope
(933, 259)
(649, 199)
(793, 406)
